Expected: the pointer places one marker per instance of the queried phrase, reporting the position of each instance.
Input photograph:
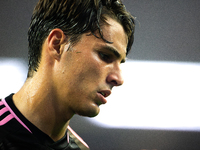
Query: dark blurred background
(165, 31)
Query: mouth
(102, 93)
(102, 96)
(105, 93)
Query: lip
(103, 97)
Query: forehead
(113, 32)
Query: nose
(115, 77)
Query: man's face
(87, 72)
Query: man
(75, 51)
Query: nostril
(114, 82)
(114, 79)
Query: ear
(55, 40)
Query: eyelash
(105, 57)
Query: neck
(41, 107)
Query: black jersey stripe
(5, 115)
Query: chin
(89, 112)
(93, 115)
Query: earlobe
(55, 40)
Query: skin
(70, 78)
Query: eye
(105, 57)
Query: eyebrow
(115, 52)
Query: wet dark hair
(73, 17)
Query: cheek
(85, 71)
(90, 73)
